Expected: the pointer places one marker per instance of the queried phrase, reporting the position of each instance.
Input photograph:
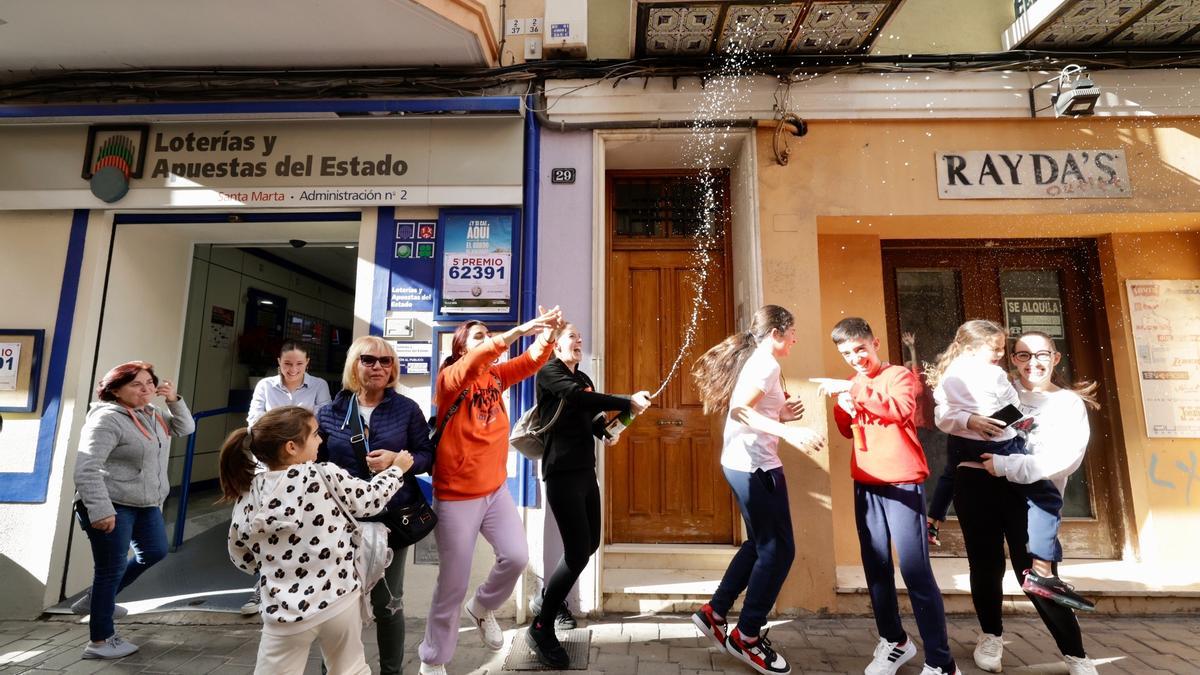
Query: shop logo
(114, 156)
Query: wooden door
(663, 480)
(1049, 285)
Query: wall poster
(20, 368)
(1165, 317)
(477, 273)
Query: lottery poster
(477, 272)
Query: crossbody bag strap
(336, 497)
(561, 404)
(437, 434)
(358, 436)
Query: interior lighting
(1076, 94)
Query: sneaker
(251, 606)
(889, 656)
(485, 621)
(989, 650)
(563, 620)
(710, 625)
(1077, 665)
(545, 645)
(930, 670)
(428, 669)
(83, 607)
(1054, 588)
(112, 648)
(758, 654)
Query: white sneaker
(930, 670)
(112, 648)
(427, 669)
(1080, 665)
(252, 603)
(485, 621)
(889, 656)
(989, 650)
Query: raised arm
(364, 498)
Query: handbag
(528, 440)
(372, 553)
(408, 524)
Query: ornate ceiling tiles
(1111, 24)
(785, 27)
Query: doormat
(577, 642)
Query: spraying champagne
(638, 404)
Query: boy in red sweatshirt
(878, 409)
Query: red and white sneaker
(758, 654)
(710, 625)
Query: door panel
(1047, 285)
(663, 480)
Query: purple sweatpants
(459, 525)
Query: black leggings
(574, 497)
(991, 511)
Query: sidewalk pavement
(625, 645)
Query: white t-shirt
(1056, 442)
(744, 448)
(972, 386)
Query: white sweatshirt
(971, 386)
(1056, 442)
(289, 529)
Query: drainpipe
(527, 488)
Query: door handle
(670, 423)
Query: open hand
(908, 339)
(805, 439)
(793, 409)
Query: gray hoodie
(122, 462)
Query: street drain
(577, 642)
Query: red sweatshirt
(887, 450)
(472, 455)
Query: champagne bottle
(619, 424)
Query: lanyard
(142, 428)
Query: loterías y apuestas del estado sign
(1033, 174)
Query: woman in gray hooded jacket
(121, 483)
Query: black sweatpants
(574, 497)
(991, 510)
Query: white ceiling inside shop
(48, 36)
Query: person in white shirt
(292, 386)
(288, 526)
(991, 509)
(741, 377)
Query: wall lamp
(1076, 95)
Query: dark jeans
(574, 497)
(762, 563)
(139, 527)
(1045, 502)
(894, 515)
(991, 511)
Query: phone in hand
(1009, 414)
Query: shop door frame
(1106, 462)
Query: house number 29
(562, 176)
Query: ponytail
(265, 443)
(717, 370)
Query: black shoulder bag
(408, 524)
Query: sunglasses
(369, 360)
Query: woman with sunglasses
(392, 423)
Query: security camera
(297, 243)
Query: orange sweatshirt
(472, 455)
(887, 450)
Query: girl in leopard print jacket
(289, 528)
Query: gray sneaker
(83, 606)
(112, 648)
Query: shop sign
(414, 358)
(413, 244)
(1036, 174)
(477, 274)
(1165, 318)
(303, 164)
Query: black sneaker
(562, 619)
(758, 654)
(546, 646)
(1054, 588)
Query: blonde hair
(971, 334)
(717, 370)
(359, 347)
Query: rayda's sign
(1026, 174)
